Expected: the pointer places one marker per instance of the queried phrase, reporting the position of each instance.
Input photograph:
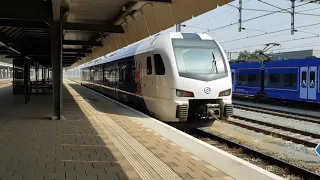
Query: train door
(149, 83)
(308, 83)
(312, 88)
(233, 79)
(303, 82)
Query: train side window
(232, 77)
(251, 78)
(133, 73)
(149, 66)
(242, 79)
(318, 80)
(290, 80)
(274, 79)
(312, 79)
(124, 74)
(304, 79)
(159, 66)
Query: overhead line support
(240, 15)
(292, 16)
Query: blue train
(296, 79)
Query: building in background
(312, 53)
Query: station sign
(318, 149)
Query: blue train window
(248, 79)
(282, 80)
(304, 79)
(290, 80)
(274, 79)
(232, 76)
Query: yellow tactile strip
(147, 165)
(181, 161)
(160, 158)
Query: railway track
(254, 125)
(281, 113)
(293, 169)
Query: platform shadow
(65, 149)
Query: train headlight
(181, 93)
(225, 93)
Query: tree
(255, 56)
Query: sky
(264, 29)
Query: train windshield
(199, 59)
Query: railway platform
(99, 138)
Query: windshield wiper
(214, 62)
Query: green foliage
(248, 56)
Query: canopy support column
(56, 54)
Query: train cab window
(304, 79)
(159, 66)
(149, 66)
(312, 79)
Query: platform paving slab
(94, 141)
(151, 155)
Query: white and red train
(179, 78)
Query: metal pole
(25, 78)
(292, 16)
(240, 15)
(36, 64)
(42, 76)
(48, 74)
(28, 80)
(178, 28)
(56, 53)
(13, 77)
(42, 73)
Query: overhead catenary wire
(257, 17)
(266, 27)
(300, 46)
(275, 42)
(267, 33)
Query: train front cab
(246, 78)
(296, 80)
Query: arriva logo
(207, 90)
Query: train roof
(2, 64)
(127, 51)
(146, 45)
(246, 65)
(294, 62)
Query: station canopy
(91, 28)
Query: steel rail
(299, 171)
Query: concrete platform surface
(99, 139)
